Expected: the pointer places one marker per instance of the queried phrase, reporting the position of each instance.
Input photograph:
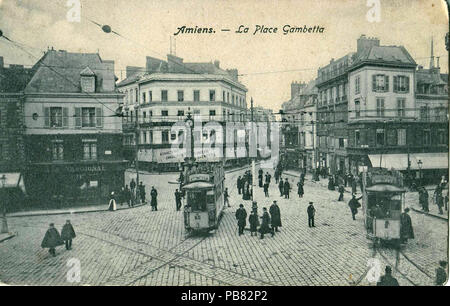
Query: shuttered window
(401, 84)
(380, 83)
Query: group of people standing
(134, 195)
(53, 239)
(440, 197)
(244, 184)
(270, 221)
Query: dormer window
(87, 80)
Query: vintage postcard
(224, 143)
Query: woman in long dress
(112, 202)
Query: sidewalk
(7, 236)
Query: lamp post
(4, 222)
(189, 160)
(419, 163)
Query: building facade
(166, 93)
(73, 137)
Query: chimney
(364, 42)
(437, 62)
(217, 64)
(234, 74)
(2, 63)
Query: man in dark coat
(266, 189)
(354, 205)
(254, 222)
(281, 187)
(387, 279)
(265, 224)
(268, 177)
(67, 234)
(142, 192)
(330, 183)
(239, 184)
(353, 185)
(277, 176)
(225, 198)
(52, 239)
(132, 186)
(260, 178)
(287, 188)
(275, 216)
(154, 199)
(439, 199)
(177, 199)
(300, 190)
(241, 216)
(341, 193)
(406, 228)
(311, 213)
(441, 274)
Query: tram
(383, 202)
(204, 201)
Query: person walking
(281, 186)
(51, 240)
(241, 216)
(67, 234)
(239, 184)
(354, 205)
(330, 183)
(112, 206)
(260, 178)
(441, 273)
(266, 189)
(254, 222)
(354, 184)
(300, 190)
(406, 228)
(177, 200)
(142, 192)
(127, 195)
(268, 178)
(287, 188)
(265, 224)
(275, 216)
(387, 279)
(438, 198)
(341, 193)
(132, 186)
(277, 176)
(225, 198)
(445, 195)
(311, 213)
(154, 199)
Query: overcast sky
(148, 24)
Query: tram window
(197, 200)
(210, 196)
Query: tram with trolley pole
(383, 203)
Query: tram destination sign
(384, 176)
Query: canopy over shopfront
(400, 161)
(12, 180)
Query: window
(424, 113)
(212, 112)
(144, 97)
(232, 99)
(401, 137)
(180, 95)
(150, 137)
(90, 149)
(164, 114)
(401, 107)
(180, 113)
(228, 97)
(357, 109)
(224, 96)
(380, 107)
(57, 150)
(163, 95)
(212, 95)
(442, 137)
(165, 136)
(426, 137)
(357, 89)
(136, 96)
(401, 84)
(380, 137)
(88, 118)
(341, 143)
(357, 138)
(144, 115)
(380, 83)
(150, 96)
(56, 116)
(196, 95)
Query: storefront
(73, 183)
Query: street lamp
(419, 163)
(4, 222)
(190, 123)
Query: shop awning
(400, 161)
(13, 180)
(198, 185)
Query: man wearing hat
(311, 213)
(441, 274)
(241, 216)
(406, 228)
(354, 205)
(275, 216)
(67, 234)
(387, 279)
(52, 239)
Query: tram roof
(384, 188)
(198, 185)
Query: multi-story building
(73, 136)
(389, 119)
(166, 93)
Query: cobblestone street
(141, 247)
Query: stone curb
(428, 214)
(7, 237)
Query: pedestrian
(341, 193)
(425, 199)
(154, 199)
(177, 200)
(225, 198)
(268, 178)
(302, 176)
(132, 186)
(112, 202)
(287, 188)
(387, 279)
(265, 224)
(241, 216)
(311, 213)
(354, 205)
(127, 195)
(239, 184)
(353, 182)
(406, 228)
(266, 189)
(300, 190)
(142, 192)
(441, 274)
(277, 176)
(254, 222)
(246, 195)
(445, 195)
(275, 216)
(260, 178)
(330, 183)
(281, 186)
(439, 199)
(67, 234)
(52, 239)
